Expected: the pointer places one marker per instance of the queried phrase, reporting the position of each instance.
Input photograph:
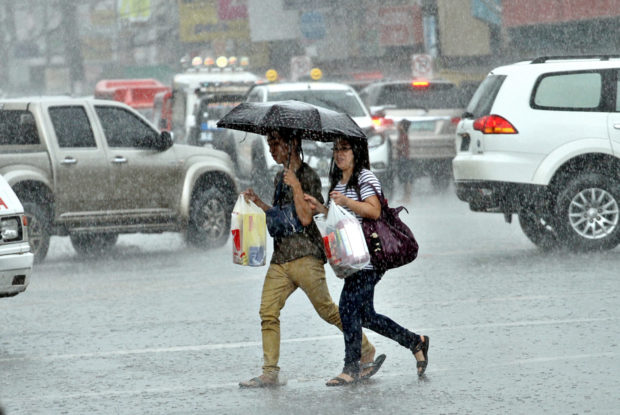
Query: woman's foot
(420, 352)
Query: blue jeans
(357, 310)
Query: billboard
(531, 12)
(207, 20)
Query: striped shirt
(366, 181)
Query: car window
(569, 91)
(339, 101)
(18, 128)
(254, 96)
(482, 100)
(72, 127)
(122, 128)
(618, 91)
(406, 96)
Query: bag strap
(382, 199)
(276, 196)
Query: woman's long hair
(360, 161)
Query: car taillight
(382, 122)
(494, 124)
(455, 120)
(420, 84)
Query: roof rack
(543, 59)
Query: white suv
(542, 139)
(15, 257)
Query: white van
(15, 256)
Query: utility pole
(73, 49)
(7, 38)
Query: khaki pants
(281, 280)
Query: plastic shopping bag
(343, 239)
(249, 236)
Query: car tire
(93, 243)
(537, 231)
(38, 230)
(440, 182)
(209, 224)
(588, 212)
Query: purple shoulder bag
(390, 242)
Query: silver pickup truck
(92, 169)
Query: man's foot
(369, 369)
(262, 381)
(342, 379)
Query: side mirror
(165, 141)
(377, 111)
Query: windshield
(340, 101)
(483, 98)
(433, 96)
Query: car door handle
(69, 160)
(617, 126)
(119, 160)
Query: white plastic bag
(343, 239)
(249, 233)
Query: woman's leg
(379, 323)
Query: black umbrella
(309, 121)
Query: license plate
(422, 126)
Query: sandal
(369, 369)
(341, 381)
(262, 381)
(422, 346)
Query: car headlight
(10, 229)
(375, 140)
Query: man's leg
(308, 273)
(276, 289)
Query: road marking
(238, 345)
(199, 390)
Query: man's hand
(250, 195)
(290, 178)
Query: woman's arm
(368, 208)
(315, 205)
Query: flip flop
(338, 381)
(421, 364)
(374, 366)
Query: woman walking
(355, 187)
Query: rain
(138, 302)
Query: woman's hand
(339, 199)
(315, 205)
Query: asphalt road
(158, 328)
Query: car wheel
(209, 224)
(93, 243)
(260, 179)
(38, 230)
(588, 212)
(440, 182)
(538, 230)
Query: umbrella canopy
(309, 121)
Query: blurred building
(66, 46)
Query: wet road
(156, 327)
